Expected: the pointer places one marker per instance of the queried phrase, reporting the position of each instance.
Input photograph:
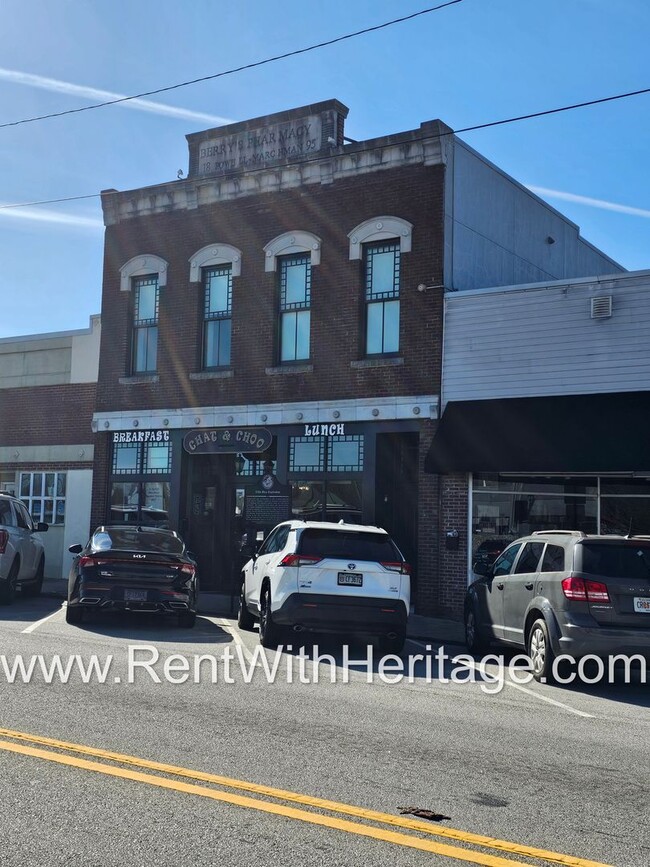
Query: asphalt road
(532, 767)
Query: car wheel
(8, 587)
(392, 644)
(34, 588)
(245, 619)
(473, 639)
(270, 632)
(74, 614)
(540, 652)
(187, 619)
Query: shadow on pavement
(151, 627)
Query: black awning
(586, 433)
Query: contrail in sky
(52, 84)
(592, 203)
(42, 215)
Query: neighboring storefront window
(505, 507)
(44, 496)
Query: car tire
(187, 619)
(8, 587)
(245, 619)
(538, 645)
(35, 587)
(473, 640)
(392, 644)
(270, 632)
(74, 614)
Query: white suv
(322, 577)
(22, 558)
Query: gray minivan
(564, 592)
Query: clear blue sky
(477, 61)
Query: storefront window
(326, 501)
(145, 503)
(505, 507)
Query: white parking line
(524, 689)
(33, 626)
(234, 634)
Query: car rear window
(616, 561)
(356, 546)
(132, 539)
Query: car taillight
(299, 560)
(596, 591)
(402, 568)
(574, 588)
(186, 569)
(4, 538)
(583, 590)
(91, 561)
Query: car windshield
(358, 546)
(616, 561)
(134, 539)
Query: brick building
(47, 396)
(284, 302)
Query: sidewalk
(427, 629)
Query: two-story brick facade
(284, 302)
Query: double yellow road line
(72, 755)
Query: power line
(453, 132)
(49, 201)
(237, 68)
(553, 110)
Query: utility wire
(49, 201)
(552, 110)
(237, 68)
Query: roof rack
(577, 533)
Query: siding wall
(498, 231)
(541, 340)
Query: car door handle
(529, 585)
(500, 586)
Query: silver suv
(563, 592)
(22, 557)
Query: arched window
(379, 243)
(215, 266)
(144, 275)
(292, 255)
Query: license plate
(351, 579)
(135, 595)
(642, 604)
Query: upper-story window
(146, 294)
(380, 243)
(295, 300)
(217, 316)
(144, 276)
(382, 283)
(293, 255)
(214, 266)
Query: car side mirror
(41, 527)
(76, 549)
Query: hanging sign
(224, 440)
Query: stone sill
(136, 380)
(213, 374)
(288, 369)
(376, 362)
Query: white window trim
(291, 242)
(380, 229)
(140, 266)
(215, 254)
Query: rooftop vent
(601, 308)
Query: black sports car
(130, 568)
